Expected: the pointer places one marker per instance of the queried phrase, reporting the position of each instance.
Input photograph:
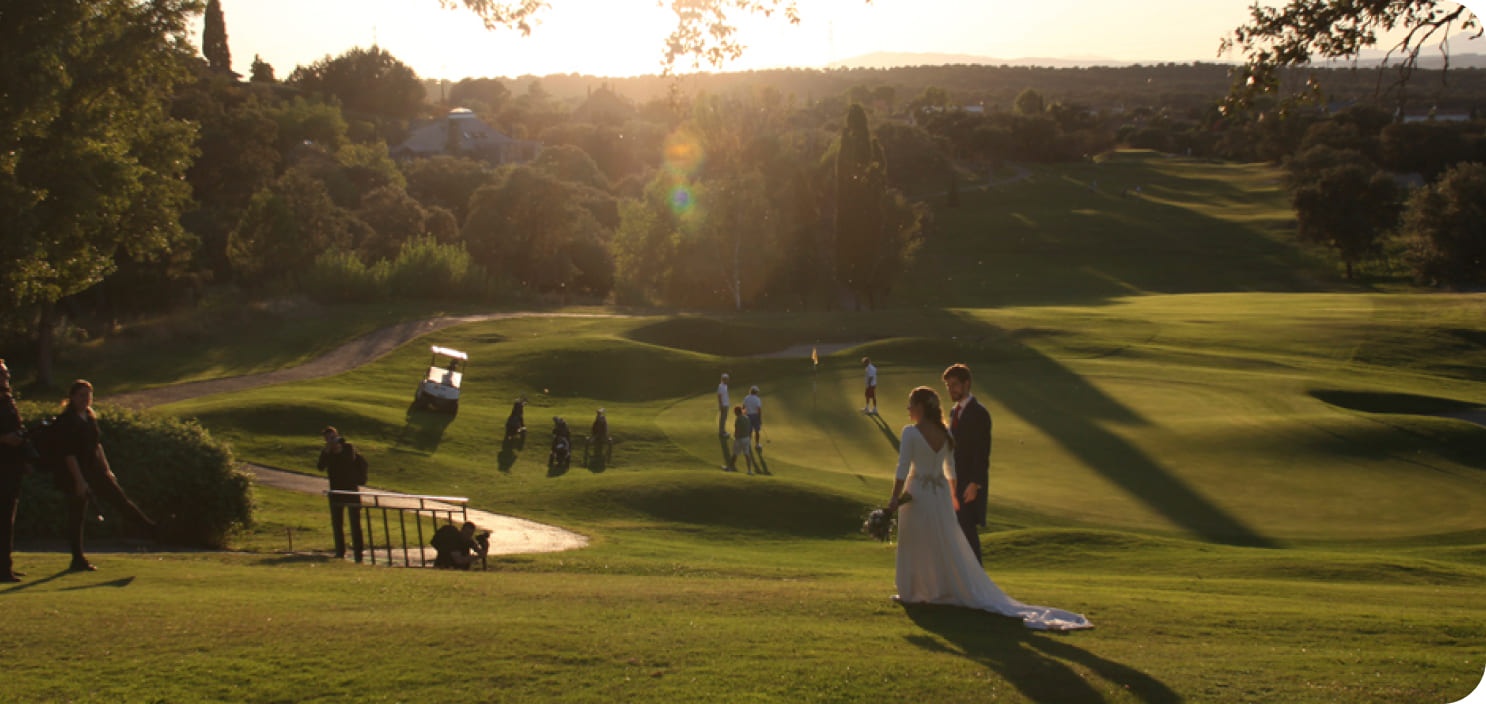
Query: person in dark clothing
(598, 438)
(12, 468)
(346, 470)
(85, 473)
(516, 422)
(970, 423)
(458, 547)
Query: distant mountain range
(1429, 59)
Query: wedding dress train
(935, 564)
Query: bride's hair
(933, 412)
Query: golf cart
(439, 389)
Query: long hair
(933, 412)
(76, 386)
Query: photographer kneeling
(459, 547)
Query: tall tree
(368, 82)
(861, 186)
(262, 71)
(1445, 226)
(91, 163)
(214, 39)
(1348, 208)
(1277, 39)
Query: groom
(970, 423)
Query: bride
(935, 564)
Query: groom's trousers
(969, 525)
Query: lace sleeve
(905, 453)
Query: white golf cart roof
(450, 352)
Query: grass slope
(1240, 482)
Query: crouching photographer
(458, 548)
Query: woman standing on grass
(12, 468)
(85, 473)
(935, 564)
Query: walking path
(508, 535)
(362, 350)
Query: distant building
(461, 133)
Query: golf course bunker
(1402, 404)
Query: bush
(173, 469)
(429, 270)
(341, 277)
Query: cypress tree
(861, 186)
(214, 39)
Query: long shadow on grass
(1074, 413)
(1034, 663)
(886, 430)
(422, 430)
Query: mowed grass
(1243, 486)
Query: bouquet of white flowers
(882, 523)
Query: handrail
(420, 505)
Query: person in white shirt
(753, 406)
(723, 404)
(869, 407)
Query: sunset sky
(624, 37)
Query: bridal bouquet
(881, 523)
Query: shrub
(173, 469)
(429, 270)
(339, 276)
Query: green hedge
(173, 469)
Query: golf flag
(814, 357)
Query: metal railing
(404, 505)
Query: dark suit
(972, 431)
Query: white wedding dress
(935, 564)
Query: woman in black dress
(85, 467)
(12, 468)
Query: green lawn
(1240, 481)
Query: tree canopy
(1302, 31)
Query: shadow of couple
(1036, 663)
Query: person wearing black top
(85, 468)
(338, 459)
(457, 548)
(12, 468)
(970, 423)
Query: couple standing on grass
(939, 557)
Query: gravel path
(508, 535)
(362, 350)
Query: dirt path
(508, 535)
(362, 350)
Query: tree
(262, 71)
(446, 182)
(1445, 226)
(1348, 208)
(91, 163)
(367, 82)
(285, 227)
(1280, 38)
(531, 227)
(214, 39)
(861, 185)
(1029, 102)
(394, 219)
